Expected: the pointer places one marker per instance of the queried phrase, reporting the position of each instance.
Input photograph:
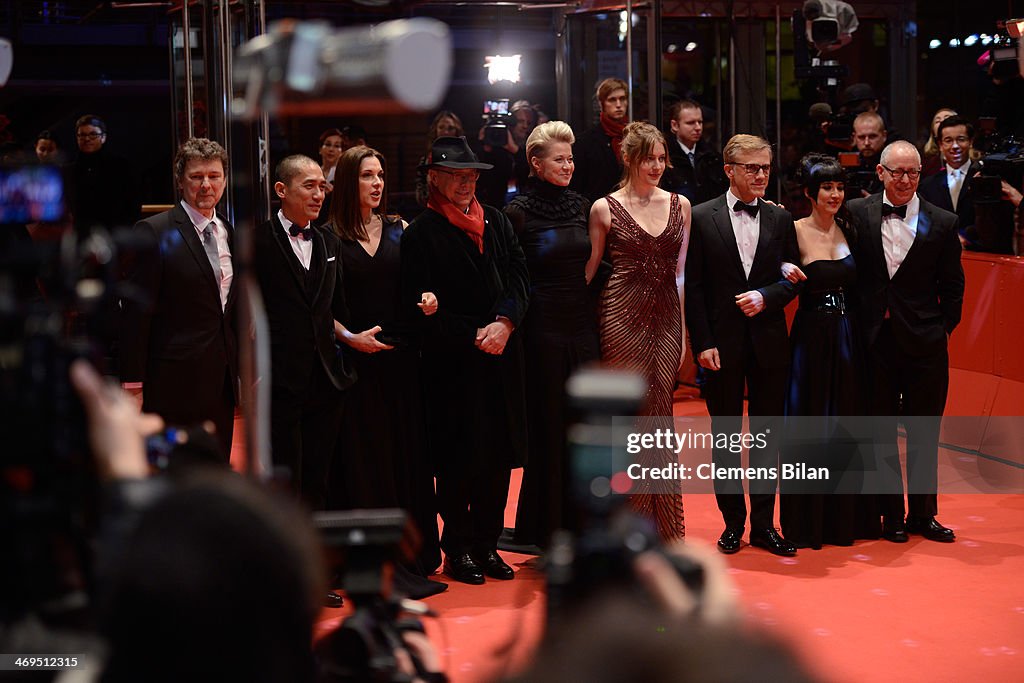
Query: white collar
(199, 221)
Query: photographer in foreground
(234, 573)
(690, 635)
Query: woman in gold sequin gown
(643, 231)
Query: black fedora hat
(452, 152)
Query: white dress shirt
(899, 233)
(747, 229)
(955, 180)
(303, 248)
(199, 222)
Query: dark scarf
(613, 129)
(471, 223)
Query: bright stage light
(934, 43)
(502, 68)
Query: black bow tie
(890, 210)
(295, 231)
(749, 208)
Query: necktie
(749, 208)
(890, 210)
(212, 253)
(295, 231)
(955, 185)
(689, 155)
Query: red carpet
(876, 611)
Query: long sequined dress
(641, 329)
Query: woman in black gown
(828, 368)
(559, 334)
(382, 458)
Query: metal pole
(629, 58)
(718, 87)
(654, 107)
(186, 50)
(224, 99)
(778, 96)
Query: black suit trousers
(914, 387)
(766, 391)
(303, 434)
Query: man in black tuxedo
(696, 171)
(298, 266)
(735, 300)
(912, 291)
(178, 330)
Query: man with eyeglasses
(472, 361)
(90, 197)
(911, 294)
(986, 223)
(735, 313)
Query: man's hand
(792, 272)
(366, 341)
(716, 605)
(428, 303)
(117, 428)
(492, 339)
(709, 359)
(1010, 193)
(751, 303)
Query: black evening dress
(382, 456)
(559, 335)
(826, 379)
(641, 330)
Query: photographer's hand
(117, 428)
(717, 605)
(419, 648)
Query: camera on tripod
(497, 122)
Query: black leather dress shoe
(772, 541)
(494, 566)
(895, 531)
(729, 541)
(930, 529)
(332, 599)
(463, 568)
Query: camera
(1003, 160)
(497, 121)
(363, 545)
(596, 553)
(858, 177)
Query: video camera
(1003, 160)
(497, 122)
(1003, 53)
(858, 176)
(363, 546)
(596, 554)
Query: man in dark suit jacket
(734, 305)
(298, 266)
(596, 153)
(696, 171)
(178, 330)
(912, 290)
(468, 255)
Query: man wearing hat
(468, 255)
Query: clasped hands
(492, 338)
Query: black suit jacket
(179, 343)
(301, 323)
(925, 296)
(700, 182)
(714, 276)
(473, 396)
(935, 189)
(597, 170)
